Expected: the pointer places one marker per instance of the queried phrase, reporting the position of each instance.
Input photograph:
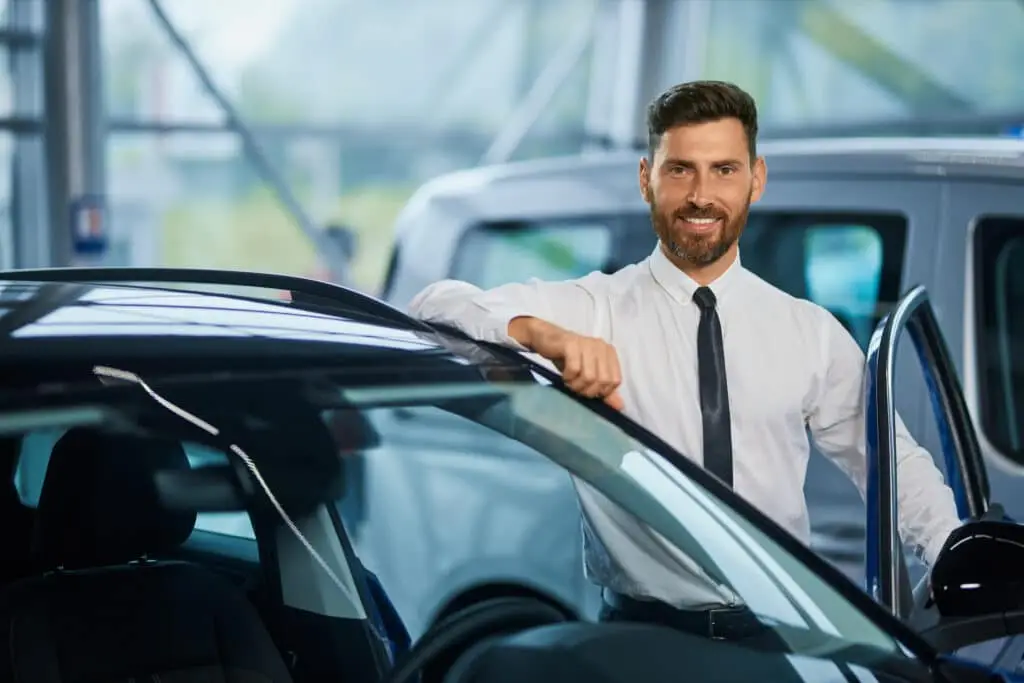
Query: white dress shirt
(790, 366)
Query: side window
(848, 263)
(498, 253)
(35, 456)
(999, 325)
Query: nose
(697, 196)
(699, 201)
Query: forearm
(513, 314)
(927, 508)
(458, 304)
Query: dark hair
(701, 102)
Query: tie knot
(704, 298)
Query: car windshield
(410, 430)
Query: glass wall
(354, 104)
(835, 62)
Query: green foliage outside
(255, 233)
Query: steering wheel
(433, 655)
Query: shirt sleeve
(927, 511)
(485, 314)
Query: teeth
(701, 221)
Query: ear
(760, 179)
(645, 180)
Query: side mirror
(980, 570)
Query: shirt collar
(681, 286)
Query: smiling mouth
(700, 224)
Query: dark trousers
(732, 623)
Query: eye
(727, 170)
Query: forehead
(710, 141)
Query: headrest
(99, 503)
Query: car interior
(106, 577)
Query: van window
(850, 264)
(498, 253)
(999, 326)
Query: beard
(695, 248)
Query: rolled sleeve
(485, 314)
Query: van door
(989, 218)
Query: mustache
(699, 212)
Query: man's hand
(589, 366)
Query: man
(725, 367)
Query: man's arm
(557, 321)
(927, 511)
(487, 315)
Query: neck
(704, 275)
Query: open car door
(975, 591)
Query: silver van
(849, 223)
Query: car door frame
(961, 450)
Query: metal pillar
(641, 47)
(74, 106)
(25, 243)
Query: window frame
(1003, 230)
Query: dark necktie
(714, 391)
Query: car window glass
(849, 264)
(450, 493)
(496, 254)
(438, 490)
(999, 329)
(34, 457)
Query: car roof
(160, 320)
(967, 157)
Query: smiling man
(730, 370)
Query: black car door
(966, 473)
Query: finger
(589, 375)
(615, 400)
(615, 368)
(607, 372)
(573, 363)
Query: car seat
(104, 607)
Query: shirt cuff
(931, 551)
(495, 328)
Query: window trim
(980, 387)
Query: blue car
(142, 407)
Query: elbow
(437, 300)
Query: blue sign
(88, 226)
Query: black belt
(720, 623)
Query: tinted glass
(497, 254)
(848, 263)
(999, 325)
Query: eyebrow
(673, 161)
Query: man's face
(700, 184)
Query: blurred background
(286, 135)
